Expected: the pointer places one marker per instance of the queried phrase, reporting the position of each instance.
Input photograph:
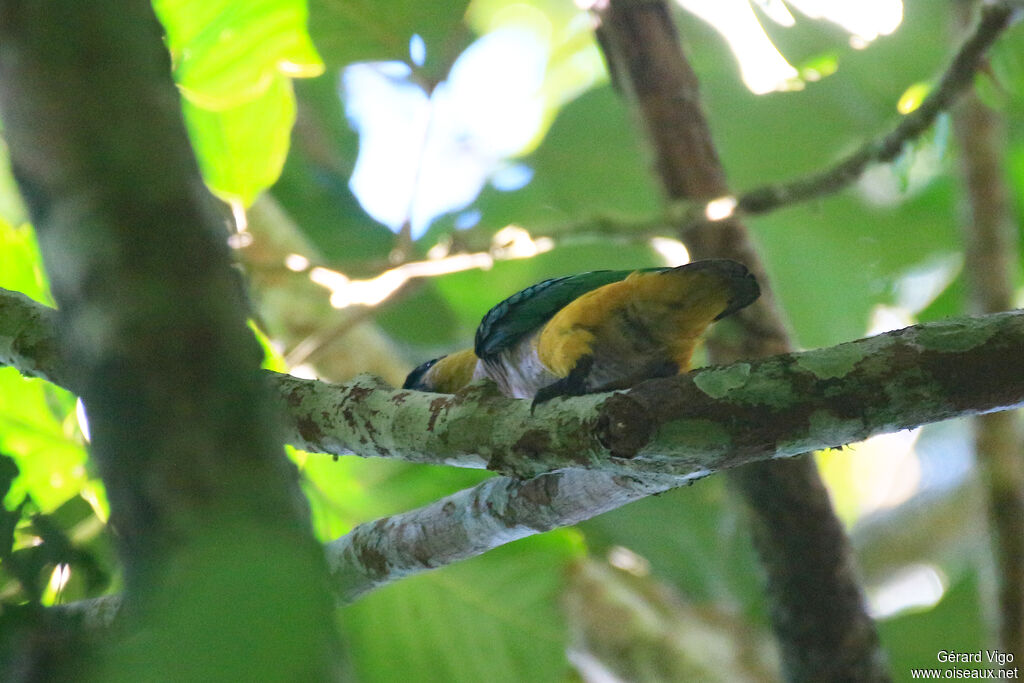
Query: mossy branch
(691, 425)
(577, 458)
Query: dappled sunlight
(424, 154)
(296, 263)
(628, 561)
(762, 66)
(864, 20)
(59, 578)
(888, 318)
(721, 208)
(914, 587)
(912, 98)
(873, 475)
(511, 242)
(83, 419)
(672, 252)
(238, 215)
(918, 287)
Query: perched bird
(595, 331)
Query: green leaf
(349, 31)
(43, 440)
(493, 618)
(233, 61)
(21, 267)
(227, 52)
(241, 150)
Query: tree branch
(925, 368)
(657, 436)
(711, 419)
(475, 520)
(995, 18)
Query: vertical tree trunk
(990, 254)
(818, 611)
(222, 575)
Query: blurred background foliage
(394, 142)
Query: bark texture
(817, 609)
(990, 254)
(152, 334)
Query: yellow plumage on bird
(595, 331)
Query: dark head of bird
(416, 379)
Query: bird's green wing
(526, 310)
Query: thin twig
(994, 19)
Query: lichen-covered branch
(28, 338)
(710, 419)
(990, 255)
(895, 375)
(594, 453)
(475, 520)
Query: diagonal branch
(994, 19)
(475, 520)
(957, 78)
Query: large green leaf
(693, 537)
(227, 52)
(241, 150)
(233, 61)
(492, 618)
(349, 31)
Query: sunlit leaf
(21, 267)
(233, 61)
(228, 52)
(817, 68)
(241, 150)
(912, 97)
(45, 444)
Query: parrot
(594, 332)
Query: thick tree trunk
(212, 528)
